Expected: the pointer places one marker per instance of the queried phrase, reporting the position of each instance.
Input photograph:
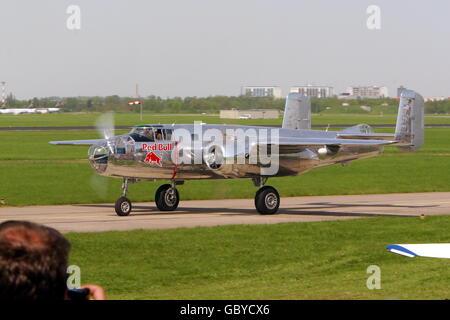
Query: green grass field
(320, 260)
(131, 119)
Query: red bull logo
(153, 158)
(157, 147)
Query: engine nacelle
(213, 157)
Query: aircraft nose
(98, 157)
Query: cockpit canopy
(150, 133)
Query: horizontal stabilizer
(365, 132)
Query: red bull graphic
(153, 158)
(157, 147)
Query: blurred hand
(95, 292)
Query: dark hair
(33, 262)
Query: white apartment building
(313, 91)
(261, 91)
(368, 91)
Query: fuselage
(194, 151)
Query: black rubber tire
(165, 201)
(123, 207)
(267, 200)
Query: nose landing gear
(166, 198)
(123, 204)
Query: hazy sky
(209, 47)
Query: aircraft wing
(367, 136)
(78, 142)
(285, 141)
(332, 141)
(429, 250)
(373, 136)
(296, 144)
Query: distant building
(261, 91)
(371, 92)
(313, 91)
(436, 99)
(250, 114)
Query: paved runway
(101, 217)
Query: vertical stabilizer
(297, 112)
(410, 121)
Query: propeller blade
(99, 185)
(105, 125)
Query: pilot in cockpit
(159, 134)
(149, 134)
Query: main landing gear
(267, 199)
(166, 198)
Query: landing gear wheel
(167, 198)
(267, 200)
(123, 207)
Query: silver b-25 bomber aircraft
(180, 152)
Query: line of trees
(215, 103)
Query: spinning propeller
(105, 127)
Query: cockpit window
(140, 138)
(158, 134)
(168, 134)
(143, 134)
(150, 134)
